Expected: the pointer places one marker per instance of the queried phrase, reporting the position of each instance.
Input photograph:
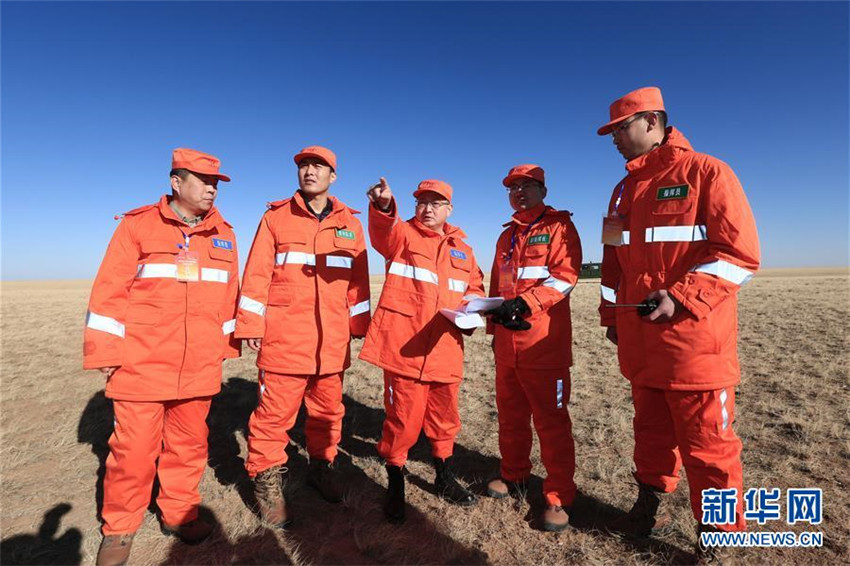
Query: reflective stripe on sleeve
(625, 238)
(559, 396)
(725, 270)
(214, 275)
(457, 285)
(229, 326)
(339, 261)
(104, 324)
(359, 308)
(250, 305)
(676, 234)
(723, 412)
(559, 285)
(412, 272)
(295, 258)
(533, 272)
(608, 294)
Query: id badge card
(507, 277)
(188, 266)
(612, 231)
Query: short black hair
(180, 172)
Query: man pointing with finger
(429, 267)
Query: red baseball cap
(197, 162)
(644, 99)
(318, 152)
(526, 171)
(440, 187)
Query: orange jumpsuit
(420, 351)
(688, 228)
(305, 292)
(169, 338)
(533, 366)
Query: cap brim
(321, 158)
(224, 178)
(609, 127)
(509, 180)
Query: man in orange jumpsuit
(679, 231)
(160, 321)
(538, 259)
(305, 294)
(429, 267)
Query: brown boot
(114, 550)
(555, 518)
(193, 532)
(644, 518)
(268, 487)
(326, 479)
(708, 555)
(499, 488)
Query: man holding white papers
(429, 268)
(538, 259)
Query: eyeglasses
(435, 205)
(524, 187)
(622, 127)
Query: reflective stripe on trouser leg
(268, 428)
(323, 426)
(183, 459)
(554, 430)
(404, 418)
(656, 455)
(711, 453)
(515, 437)
(442, 419)
(131, 465)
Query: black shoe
(394, 504)
(448, 487)
(326, 479)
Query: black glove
(509, 314)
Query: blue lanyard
(524, 232)
(619, 197)
(184, 247)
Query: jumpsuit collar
(449, 230)
(675, 144)
(525, 217)
(211, 219)
(335, 205)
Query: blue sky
(95, 95)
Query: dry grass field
(792, 414)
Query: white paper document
(467, 316)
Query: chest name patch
(458, 254)
(539, 239)
(347, 234)
(223, 244)
(675, 192)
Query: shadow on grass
(95, 428)
(351, 532)
(44, 547)
(259, 547)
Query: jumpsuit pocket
(221, 255)
(673, 207)
(279, 296)
(398, 304)
(144, 315)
